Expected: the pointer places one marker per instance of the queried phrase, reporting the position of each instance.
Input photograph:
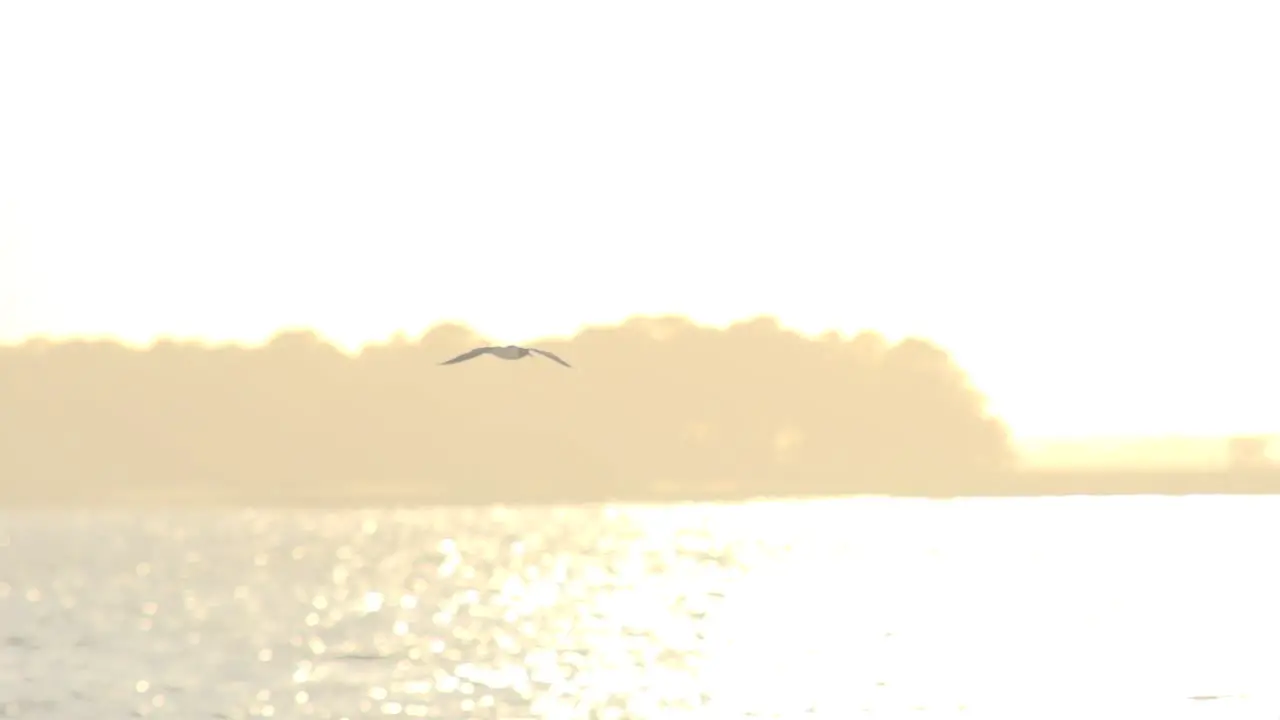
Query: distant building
(1248, 452)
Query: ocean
(1073, 607)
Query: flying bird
(510, 352)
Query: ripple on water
(840, 609)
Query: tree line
(654, 407)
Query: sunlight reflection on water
(1115, 607)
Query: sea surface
(1118, 607)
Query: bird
(509, 352)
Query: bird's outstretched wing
(550, 356)
(468, 355)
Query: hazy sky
(1078, 199)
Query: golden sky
(1077, 199)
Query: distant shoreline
(1024, 484)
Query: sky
(1078, 200)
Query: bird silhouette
(509, 352)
